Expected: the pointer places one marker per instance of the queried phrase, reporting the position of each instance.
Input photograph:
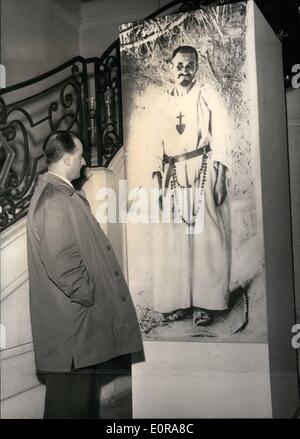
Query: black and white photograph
(186, 84)
(149, 213)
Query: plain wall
(101, 19)
(37, 35)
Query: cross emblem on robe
(181, 126)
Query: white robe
(191, 265)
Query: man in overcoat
(81, 310)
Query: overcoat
(80, 304)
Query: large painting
(194, 224)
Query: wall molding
(27, 405)
(18, 371)
(15, 351)
(13, 233)
(13, 286)
(15, 395)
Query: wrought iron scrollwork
(108, 104)
(67, 100)
(24, 125)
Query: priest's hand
(158, 176)
(220, 189)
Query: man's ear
(67, 159)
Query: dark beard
(185, 82)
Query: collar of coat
(60, 184)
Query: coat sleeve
(61, 257)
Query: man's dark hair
(185, 49)
(57, 144)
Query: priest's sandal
(201, 317)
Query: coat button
(116, 273)
(123, 299)
(108, 247)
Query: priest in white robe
(192, 249)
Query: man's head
(63, 153)
(184, 64)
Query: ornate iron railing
(30, 111)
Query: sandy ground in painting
(244, 321)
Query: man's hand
(220, 189)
